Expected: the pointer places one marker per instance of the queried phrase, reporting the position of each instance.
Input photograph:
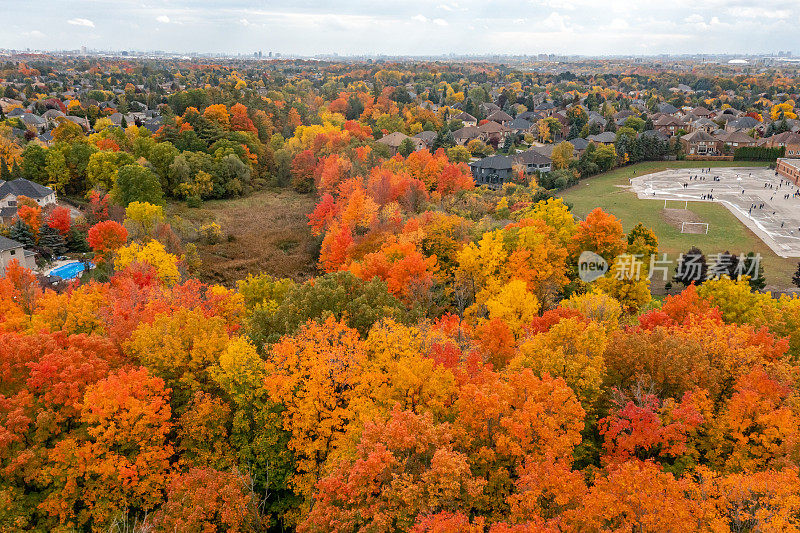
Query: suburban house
(35, 122)
(787, 139)
(495, 169)
(11, 250)
(607, 137)
(52, 116)
(533, 161)
(700, 143)
(546, 108)
(466, 119)
(741, 124)
(395, 139)
(789, 169)
(736, 139)
(705, 124)
(7, 104)
(668, 124)
(701, 112)
(488, 108)
(498, 169)
(668, 109)
(466, 134)
(492, 132)
(501, 117)
(520, 126)
(11, 190)
(427, 137)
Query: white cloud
(162, 19)
(440, 22)
(618, 24)
(569, 5)
(81, 22)
(34, 34)
(420, 18)
(759, 12)
(694, 19)
(555, 23)
(245, 22)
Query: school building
(789, 169)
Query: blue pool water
(68, 271)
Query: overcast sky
(406, 27)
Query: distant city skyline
(361, 27)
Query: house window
(13, 252)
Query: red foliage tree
(106, 237)
(60, 219)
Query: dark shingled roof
(493, 162)
(8, 244)
(23, 187)
(532, 157)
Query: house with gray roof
(427, 137)
(667, 109)
(520, 126)
(34, 122)
(497, 169)
(741, 124)
(501, 117)
(11, 250)
(466, 119)
(466, 134)
(395, 139)
(11, 190)
(607, 137)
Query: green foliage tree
(281, 308)
(137, 184)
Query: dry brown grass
(265, 232)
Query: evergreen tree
(796, 276)
(16, 171)
(354, 108)
(52, 239)
(752, 266)
(76, 241)
(406, 147)
(508, 145)
(124, 123)
(22, 233)
(726, 264)
(692, 267)
(5, 172)
(444, 139)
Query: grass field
(609, 191)
(265, 232)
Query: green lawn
(725, 232)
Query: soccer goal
(685, 204)
(694, 227)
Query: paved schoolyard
(777, 223)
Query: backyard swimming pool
(68, 271)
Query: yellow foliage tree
(152, 253)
